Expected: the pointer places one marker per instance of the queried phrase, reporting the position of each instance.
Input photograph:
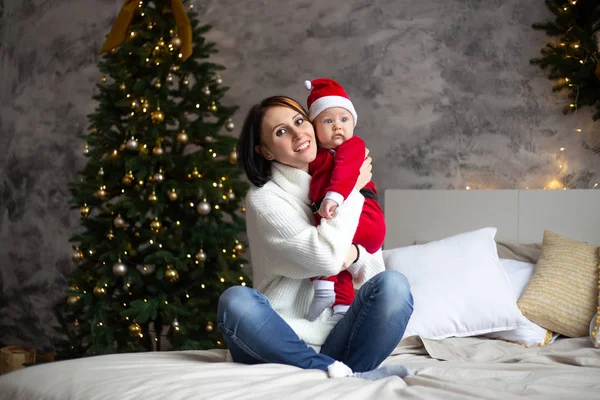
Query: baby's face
(334, 126)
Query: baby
(334, 174)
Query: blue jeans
(362, 339)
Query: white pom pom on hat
(327, 93)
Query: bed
(452, 368)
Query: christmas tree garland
(573, 58)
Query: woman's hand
(365, 173)
(352, 254)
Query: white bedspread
(457, 368)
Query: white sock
(323, 298)
(340, 370)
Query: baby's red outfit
(337, 171)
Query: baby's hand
(327, 209)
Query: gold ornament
(229, 125)
(171, 274)
(174, 67)
(158, 85)
(99, 291)
(209, 327)
(239, 247)
(104, 79)
(155, 225)
(195, 173)
(128, 178)
(94, 131)
(233, 157)
(243, 209)
(182, 137)
(176, 42)
(135, 329)
(203, 207)
(121, 147)
(132, 144)
(73, 287)
(122, 86)
(153, 197)
(119, 222)
(72, 300)
(110, 235)
(172, 195)
(201, 256)
(77, 255)
(76, 323)
(101, 193)
(213, 107)
(157, 116)
(84, 210)
(158, 151)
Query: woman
(268, 323)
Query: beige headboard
(521, 216)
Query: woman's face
(288, 138)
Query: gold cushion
(562, 294)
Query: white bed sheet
(456, 368)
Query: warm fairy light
(214, 184)
(124, 304)
(115, 152)
(145, 300)
(180, 55)
(468, 187)
(562, 44)
(578, 129)
(243, 283)
(202, 286)
(160, 246)
(198, 105)
(166, 302)
(224, 251)
(576, 46)
(217, 207)
(571, 105)
(151, 241)
(191, 204)
(187, 295)
(581, 61)
(562, 149)
(122, 190)
(189, 256)
(554, 184)
(241, 278)
(129, 285)
(566, 79)
(214, 155)
(222, 280)
(596, 184)
(233, 256)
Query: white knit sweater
(287, 248)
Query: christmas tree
(160, 195)
(572, 55)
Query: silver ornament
(158, 177)
(119, 269)
(119, 222)
(201, 256)
(219, 80)
(206, 90)
(169, 78)
(101, 171)
(175, 323)
(203, 208)
(230, 195)
(229, 125)
(132, 144)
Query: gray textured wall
(444, 91)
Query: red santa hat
(327, 93)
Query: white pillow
(458, 286)
(531, 334)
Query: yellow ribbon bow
(118, 32)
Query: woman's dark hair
(258, 168)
